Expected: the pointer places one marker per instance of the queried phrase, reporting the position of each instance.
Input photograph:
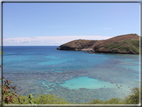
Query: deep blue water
(70, 74)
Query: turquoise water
(86, 82)
(72, 75)
(55, 61)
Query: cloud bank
(46, 40)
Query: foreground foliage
(133, 98)
(11, 97)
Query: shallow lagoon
(86, 82)
(73, 75)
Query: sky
(53, 24)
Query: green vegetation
(1, 52)
(125, 45)
(133, 98)
(40, 99)
(111, 101)
(10, 97)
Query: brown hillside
(118, 44)
(78, 45)
(123, 44)
(116, 39)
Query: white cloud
(46, 40)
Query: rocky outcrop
(123, 44)
(78, 45)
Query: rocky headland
(123, 44)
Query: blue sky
(29, 24)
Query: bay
(75, 76)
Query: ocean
(75, 76)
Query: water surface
(72, 75)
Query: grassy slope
(124, 46)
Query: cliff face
(123, 44)
(78, 45)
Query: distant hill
(123, 44)
(78, 45)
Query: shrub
(134, 97)
(9, 94)
(50, 99)
(97, 101)
(114, 101)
